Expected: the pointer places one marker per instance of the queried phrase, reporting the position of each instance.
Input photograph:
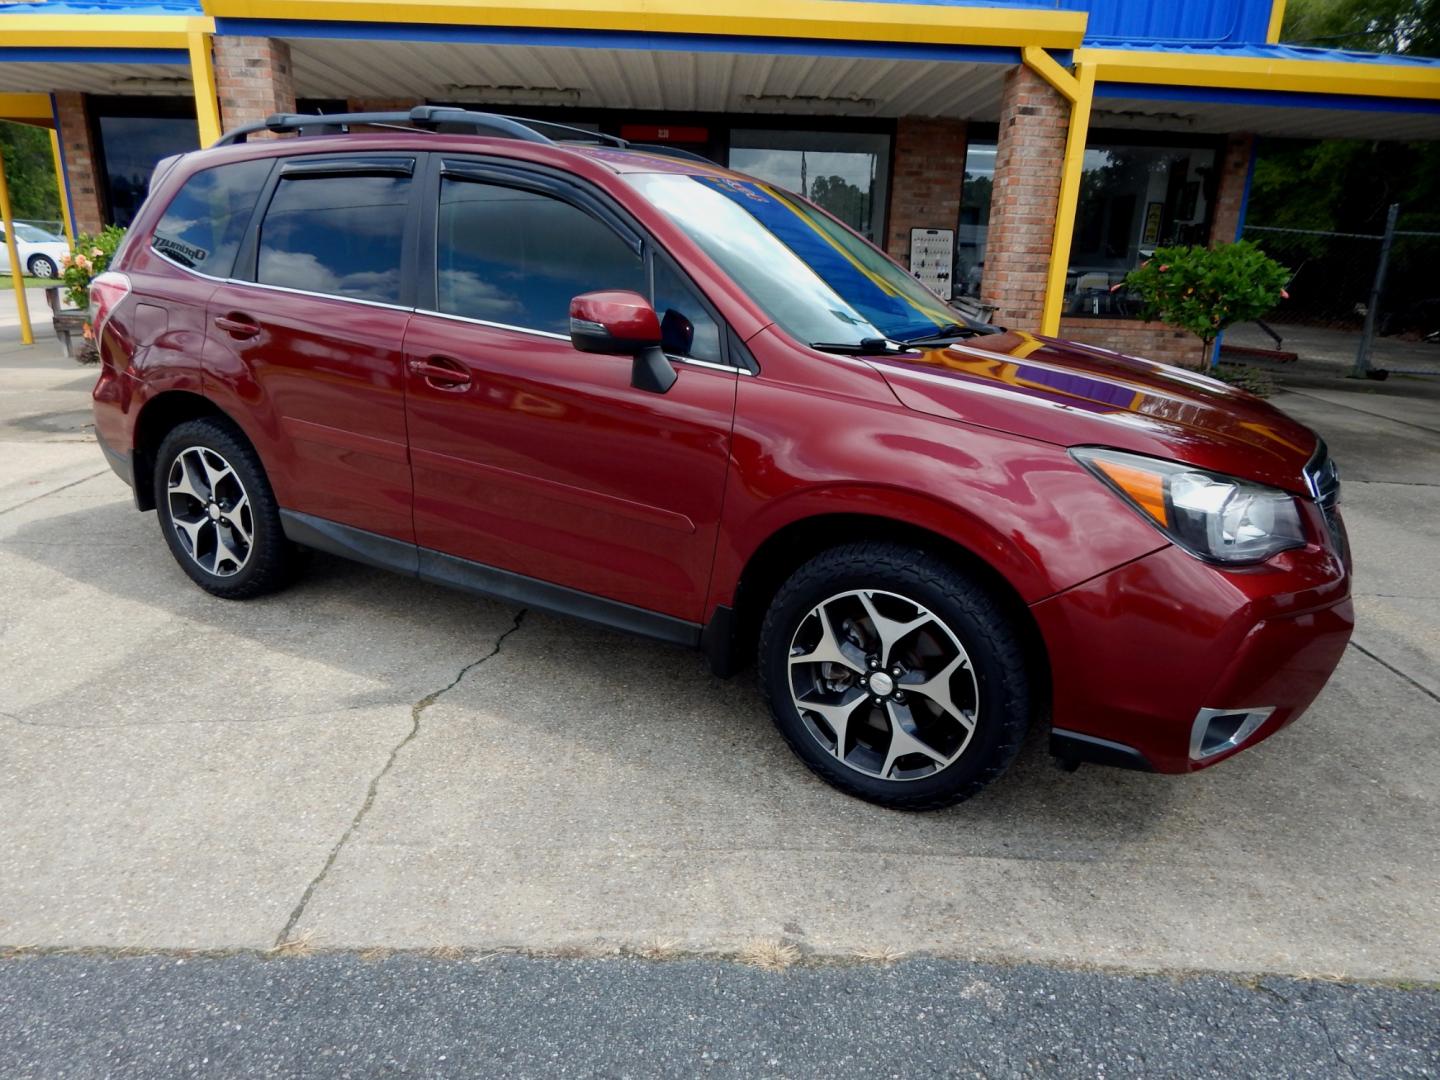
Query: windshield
(33, 235)
(818, 281)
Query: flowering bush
(90, 259)
(1204, 289)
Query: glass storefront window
(975, 192)
(135, 133)
(1134, 199)
(846, 172)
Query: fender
(1022, 506)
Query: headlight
(1218, 518)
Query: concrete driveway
(368, 761)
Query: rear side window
(518, 258)
(205, 222)
(340, 235)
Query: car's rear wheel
(42, 266)
(217, 512)
(895, 676)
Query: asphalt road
(407, 1015)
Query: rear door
(306, 343)
(533, 457)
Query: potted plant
(1206, 289)
(90, 259)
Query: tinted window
(686, 327)
(336, 234)
(205, 222)
(519, 258)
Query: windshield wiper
(948, 332)
(869, 346)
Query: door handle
(237, 325)
(441, 372)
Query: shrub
(90, 259)
(1204, 290)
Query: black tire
(1000, 688)
(42, 266)
(271, 559)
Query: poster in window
(932, 259)
(1153, 215)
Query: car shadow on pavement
(348, 637)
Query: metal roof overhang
(659, 72)
(1269, 90)
(97, 54)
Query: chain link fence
(1375, 297)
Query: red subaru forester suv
(650, 392)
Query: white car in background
(40, 252)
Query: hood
(1070, 394)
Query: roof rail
(422, 117)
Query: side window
(686, 327)
(519, 258)
(341, 235)
(205, 222)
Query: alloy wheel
(42, 267)
(883, 684)
(210, 511)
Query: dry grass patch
(881, 954)
(768, 955)
(659, 949)
(300, 945)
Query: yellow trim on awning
(928, 24)
(1256, 73)
(27, 109)
(103, 31)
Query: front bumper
(1142, 654)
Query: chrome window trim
(319, 295)
(566, 337)
(281, 288)
(493, 325)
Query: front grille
(1322, 477)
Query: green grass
(6, 282)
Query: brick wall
(1031, 148)
(1230, 193)
(1151, 340)
(80, 163)
(926, 179)
(253, 79)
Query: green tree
(30, 171)
(1383, 26)
(1206, 289)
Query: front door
(532, 457)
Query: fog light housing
(1218, 730)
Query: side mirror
(621, 323)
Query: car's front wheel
(895, 676)
(217, 511)
(42, 266)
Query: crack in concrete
(417, 710)
(1395, 670)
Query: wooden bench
(69, 322)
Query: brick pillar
(80, 167)
(1230, 191)
(1031, 149)
(926, 179)
(253, 79)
